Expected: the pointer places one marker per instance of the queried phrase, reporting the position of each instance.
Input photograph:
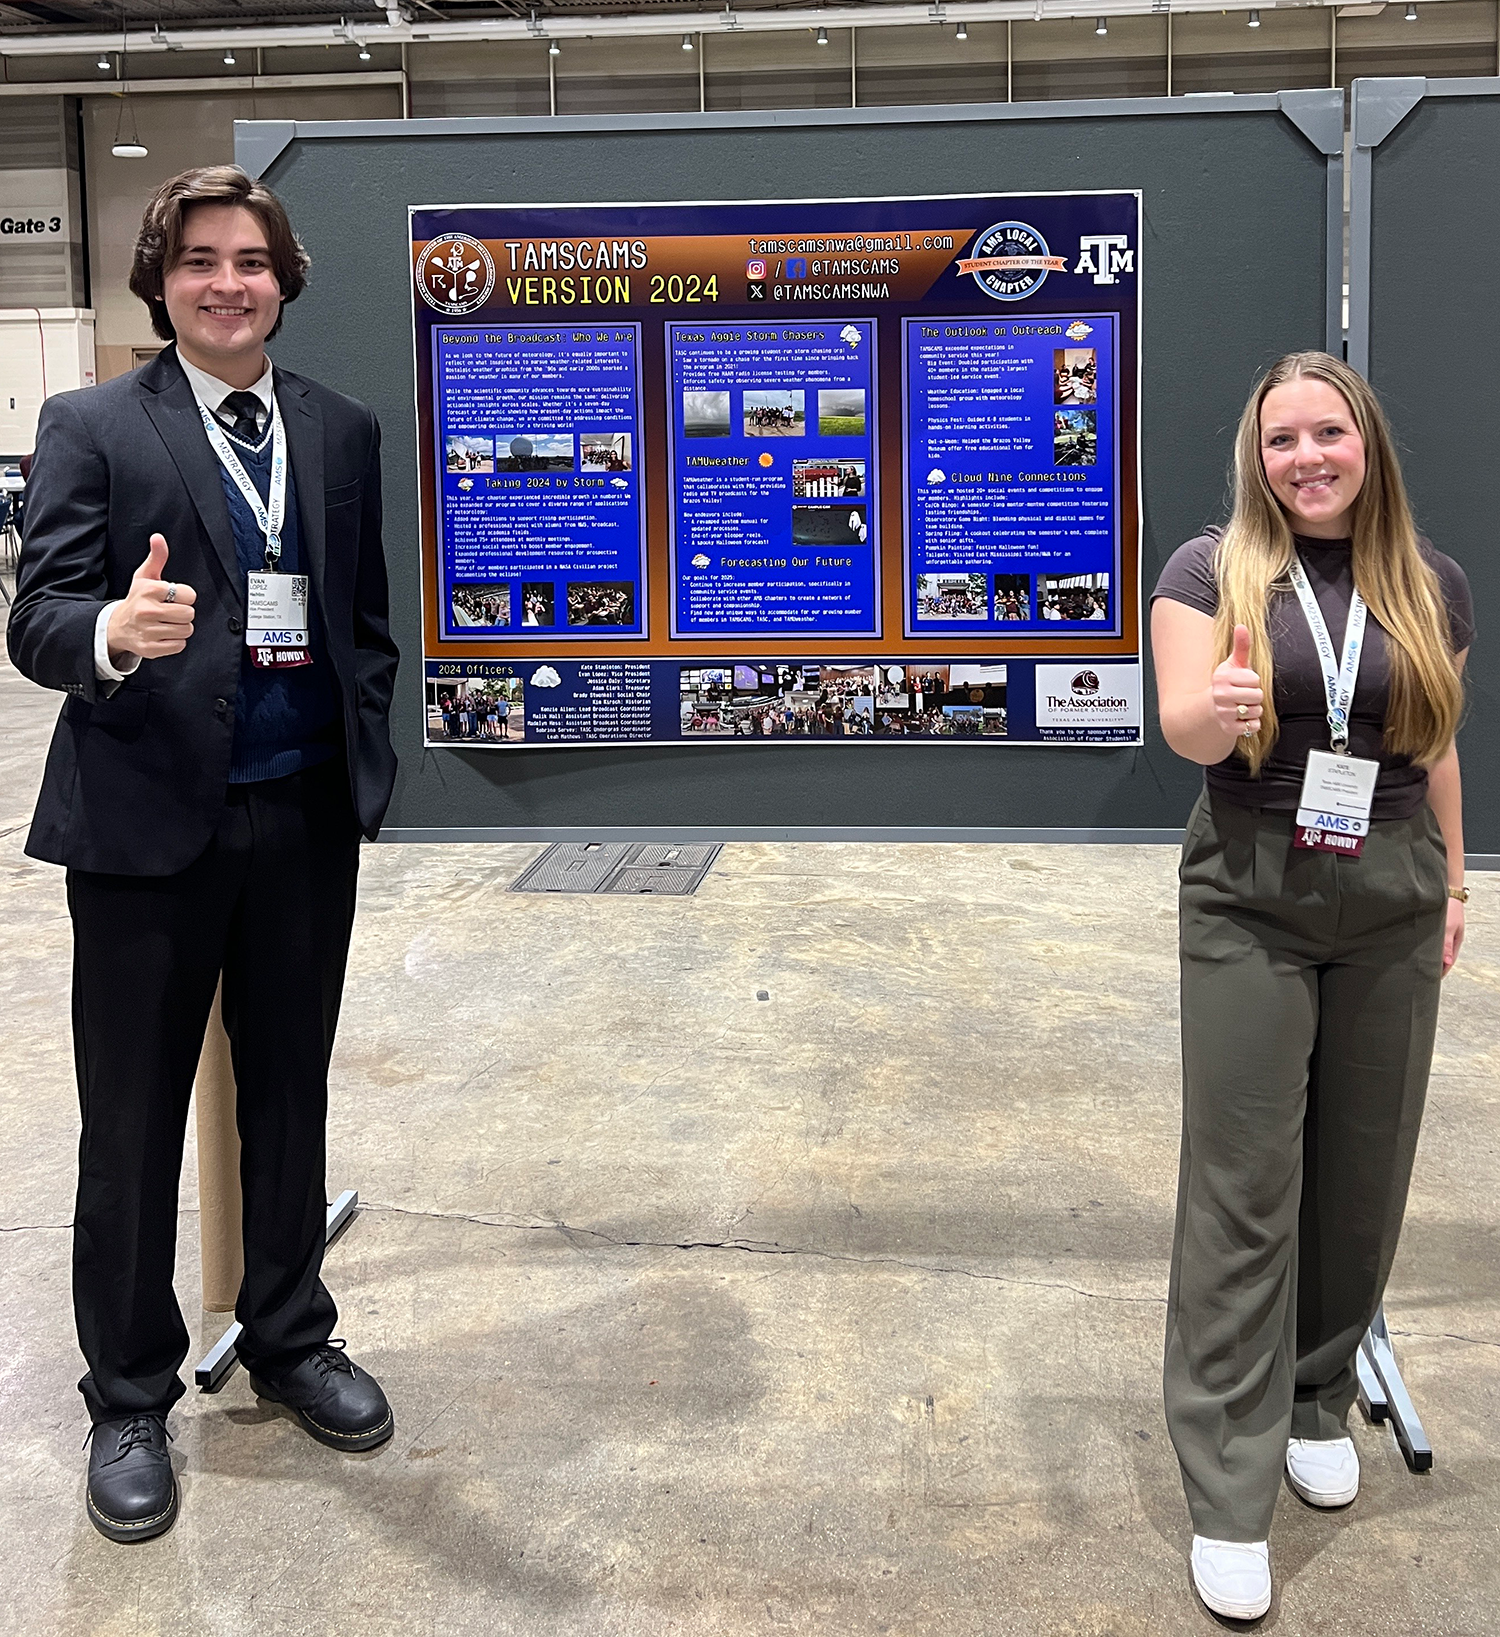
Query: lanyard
(1338, 678)
(268, 521)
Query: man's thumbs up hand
(156, 559)
(156, 617)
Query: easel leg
(217, 1364)
(1383, 1394)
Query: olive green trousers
(1309, 1004)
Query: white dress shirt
(211, 392)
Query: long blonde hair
(1399, 587)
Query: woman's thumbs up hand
(1236, 689)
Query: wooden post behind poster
(220, 1207)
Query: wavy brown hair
(159, 243)
(1399, 587)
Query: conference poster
(861, 471)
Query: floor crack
(35, 1227)
(1445, 1335)
(760, 1247)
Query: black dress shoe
(337, 1402)
(132, 1492)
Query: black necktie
(245, 409)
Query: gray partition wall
(1424, 251)
(1242, 200)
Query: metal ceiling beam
(202, 85)
(397, 31)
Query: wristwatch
(1460, 893)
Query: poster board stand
(354, 182)
(1405, 133)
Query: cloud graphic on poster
(618, 483)
(937, 475)
(700, 561)
(545, 677)
(849, 334)
(466, 483)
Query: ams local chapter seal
(455, 274)
(1011, 261)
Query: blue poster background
(1012, 473)
(539, 469)
(775, 512)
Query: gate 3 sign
(860, 469)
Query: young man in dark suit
(202, 575)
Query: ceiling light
(1101, 27)
(364, 52)
(1254, 20)
(103, 60)
(961, 32)
(553, 49)
(1411, 11)
(822, 36)
(229, 58)
(687, 42)
(127, 147)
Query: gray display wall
(1424, 248)
(1242, 201)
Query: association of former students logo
(1086, 682)
(455, 274)
(1010, 261)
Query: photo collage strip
(489, 605)
(874, 700)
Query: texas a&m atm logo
(1104, 256)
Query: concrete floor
(837, 1312)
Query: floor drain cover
(572, 866)
(614, 867)
(663, 878)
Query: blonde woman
(1309, 657)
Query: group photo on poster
(857, 471)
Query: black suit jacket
(137, 773)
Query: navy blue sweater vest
(284, 720)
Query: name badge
(1333, 811)
(276, 622)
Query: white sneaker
(1233, 1577)
(1323, 1471)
